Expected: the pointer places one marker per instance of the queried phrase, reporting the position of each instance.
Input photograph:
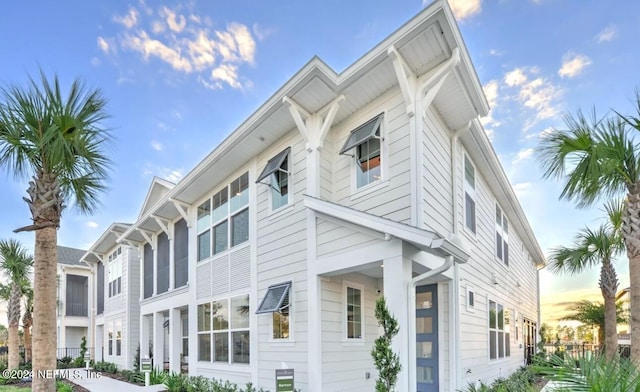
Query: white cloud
(173, 175)
(129, 20)
(496, 52)
(521, 189)
(515, 77)
(573, 64)
(103, 44)
(262, 32)
(95, 62)
(491, 92)
(148, 46)
(175, 21)
(607, 34)
(156, 145)
(463, 9)
(92, 224)
(188, 45)
(523, 155)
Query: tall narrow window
(469, 195)
(354, 313)
(502, 236)
(276, 302)
(499, 333)
(364, 143)
(277, 171)
(204, 231)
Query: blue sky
(180, 76)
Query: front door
(427, 338)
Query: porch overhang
(106, 242)
(424, 240)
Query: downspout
(454, 362)
(448, 262)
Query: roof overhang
(425, 41)
(105, 243)
(425, 240)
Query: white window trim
(291, 338)
(506, 357)
(382, 181)
(289, 184)
(357, 286)
(503, 235)
(471, 308)
(471, 190)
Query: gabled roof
(70, 256)
(426, 240)
(105, 243)
(157, 190)
(424, 42)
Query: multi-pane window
(354, 313)
(118, 336)
(364, 143)
(277, 171)
(502, 236)
(114, 273)
(499, 333)
(223, 330)
(277, 302)
(110, 339)
(223, 220)
(469, 195)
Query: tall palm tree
(60, 143)
(16, 265)
(27, 322)
(593, 314)
(593, 247)
(597, 159)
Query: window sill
(367, 189)
(282, 342)
(275, 214)
(226, 367)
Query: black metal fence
(71, 352)
(578, 350)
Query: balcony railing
(76, 309)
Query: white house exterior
(74, 297)
(339, 189)
(115, 306)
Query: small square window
(471, 299)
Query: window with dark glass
(364, 144)
(181, 253)
(277, 171)
(469, 195)
(223, 330)
(502, 236)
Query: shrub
(62, 387)
(520, 381)
(107, 367)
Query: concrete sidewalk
(96, 382)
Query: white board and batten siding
(515, 289)
(281, 249)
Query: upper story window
(223, 220)
(502, 236)
(364, 144)
(114, 274)
(469, 195)
(278, 173)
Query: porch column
(175, 340)
(145, 327)
(397, 275)
(158, 340)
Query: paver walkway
(95, 383)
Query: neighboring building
(339, 189)
(115, 304)
(74, 298)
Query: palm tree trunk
(13, 312)
(27, 321)
(44, 309)
(631, 233)
(609, 287)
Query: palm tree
(593, 247)
(16, 265)
(27, 322)
(597, 159)
(60, 144)
(593, 314)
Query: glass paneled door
(427, 338)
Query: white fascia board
(103, 238)
(505, 194)
(420, 237)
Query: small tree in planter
(385, 360)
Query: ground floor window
(223, 330)
(499, 332)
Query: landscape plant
(385, 360)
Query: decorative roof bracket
(313, 126)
